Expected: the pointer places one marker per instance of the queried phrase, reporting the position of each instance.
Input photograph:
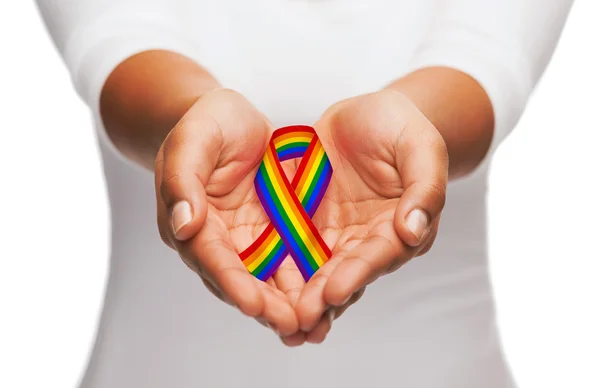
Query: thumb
(188, 158)
(424, 173)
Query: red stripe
(298, 204)
(291, 188)
(256, 244)
(304, 162)
(292, 128)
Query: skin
(204, 144)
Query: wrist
(458, 107)
(145, 96)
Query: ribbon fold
(290, 206)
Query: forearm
(145, 96)
(458, 107)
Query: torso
(429, 325)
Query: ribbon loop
(290, 206)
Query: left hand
(383, 205)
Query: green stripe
(309, 193)
(282, 211)
(292, 145)
(268, 259)
(284, 215)
(315, 179)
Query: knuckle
(164, 235)
(228, 271)
(214, 290)
(359, 294)
(394, 265)
(170, 184)
(226, 99)
(437, 193)
(293, 291)
(163, 228)
(192, 264)
(227, 93)
(319, 279)
(425, 249)
(159, 160)
(429, 244)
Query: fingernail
(417, 222)
(180, 216)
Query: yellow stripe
(261, 248)
(320, 154)
(313, 171)
(301, 229)
(309, 240)
(263, 255)
(306, 171)
(289, 135)
(291, 140)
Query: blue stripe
(284, 232)
(312, 205)
(269, 205)
(273, 213)
(273, 264)
(321, 193)
(292, 153)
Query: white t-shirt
(429, 325)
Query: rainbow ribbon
(290, 206)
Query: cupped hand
(208, 210)
(383, 204)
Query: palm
(362, 197)
(242, 215)
(220, 142)
(209, 161)
(236, 217)
(241, 212)
(386, 156)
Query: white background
(544, 211)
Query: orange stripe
(286, 136)
(250, 259)
(294, 208)
(307, 169)
(295, 133)
(254, 256)
(273, 235)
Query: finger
(215, 291)
(420, 250)
(422, 160)
(355, 298)
(162, 215)
(319, 333)
(216, 260)
(294, 340)
(190, 153)
(271, 282)
(430, 240)
(278, 312)
(219, 263)
(364, 264)
(311, 304)
(289, 280)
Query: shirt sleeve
(503, 44)
(94, 36)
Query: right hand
(208, 210)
